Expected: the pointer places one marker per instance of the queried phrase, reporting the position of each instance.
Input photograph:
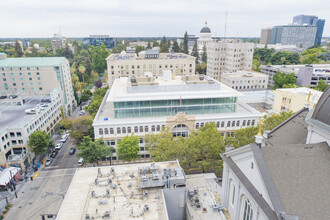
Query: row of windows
(152, 66)
(19, 68)
(12, 74)
(229, 123)
(128, 130)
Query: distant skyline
(150, 18)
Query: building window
(129, 130)
(197, 125)
(141, 141)
(100, 131)
(228, 124)
(253, 122)
(248, 123)
(158, 127)
(233, 124)
(244, 122)
(146, 128)
(202, 124)
(111, 131)
(141, 128)
(247, 210)
(136, 129)
(218, 124)
(112, 142)
(232, 193)
(118, 131)
(124, 130)
(153, 128)
(222, 124)
(106, 131)
(252, 165)
(237, 123)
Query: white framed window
(247, 211)
(232, 193)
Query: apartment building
(37, 76)
(228, 56)
(294, 99)
(141, 105)
(16, 126)
(150, 62)
(245, 80)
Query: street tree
(93, 151)
(39, 142)
(155, 44)
(99, 54)
(128, 148)
(185, 43)
(79, 127)
(82, 71)
(18, 49)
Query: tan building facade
(37, 76)
(294, 99)
(151, 62)
(228, 56)
(245, 80)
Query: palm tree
(82, 70)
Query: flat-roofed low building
(37, 76)
(143, 105)
(152, 191)
(129, 64)
(19, 118)
(294, 99)
(245, 80)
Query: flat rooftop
(13, 115)
(162, 56)
(31, 61)
(125, 201)
(317, 68)
(245, 74)
(175, 88)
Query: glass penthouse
(181, 103)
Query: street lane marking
(35, 175)
(59, 165)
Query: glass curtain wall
(172, 107)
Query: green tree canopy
(18, 49)
(195, 53)
(204, 55)
(176, 47)
(281, 79)
(128, 148)
(322, 86)
(185, 43)
(164, 47)
(79, 127)
(93, 151)
(149, 45)
(39, 141)
(99, 54)
(155, 44)
(138, 49)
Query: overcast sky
(151, 18)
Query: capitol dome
(206, 29)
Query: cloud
(127, 18)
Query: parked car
(80, 161)
(58, 146)
(48, 161)
(82, 112)
(54, 153)
(72, 150)
(64, 138)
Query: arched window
(141, 128)
(158, 127)
(180, 130)
(253, 122)
(163, 127)
(248, 123)
(129, 130)
(233, 124)
(136, 129)
(218, 124)
(146, 128)
(202, 124)
(222, 124)
(153, 128)
(247, 211)
(118, 130)
(197, 125)
(124, 130)
(228, 124)
(100, 131)
(237, 123)
(111, 131)
(232, 193)
(106, 131)
(244, 122)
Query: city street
(43, 195)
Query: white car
(58, 146)
(64, 138)
(48, 161)
(82, 112)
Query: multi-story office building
(245, 80)
(151, 62)
(37, 76)
(141, 105)
(307, 75)
(228, 56)
(294, 99)
(311, 20)
(97, 40)
(16, 125)
(299, 35)
(265, 35)
(58, 42)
